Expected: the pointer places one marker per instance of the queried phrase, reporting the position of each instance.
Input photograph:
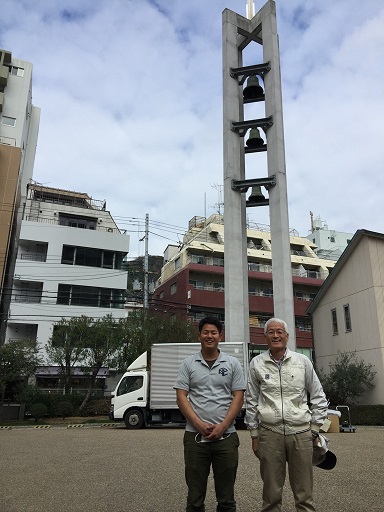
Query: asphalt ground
(99, 469)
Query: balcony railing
(306, 273)
(49, 220)
(209, 288)
(33, 257)
(28, 299)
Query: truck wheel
(134, 419)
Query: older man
(286, 406)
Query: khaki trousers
(276, 451)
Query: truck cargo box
(165, 362)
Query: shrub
(65, 409)
(99, 407)
(367, 414)
(38, 410)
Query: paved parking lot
(113, 469)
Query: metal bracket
(241, 127)
(243, 185)
(257, 69)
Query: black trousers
(198, 457)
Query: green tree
(18, 359)
(347, 380)
(142, 328)
(103, 343)
(66, 347)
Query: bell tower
(265, 134)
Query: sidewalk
(113, 469)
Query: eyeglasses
(279, 332)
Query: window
(197, 283)
(177, 263)
(129, 384)
(68, 254)
(253, 290)
(87, 256)
(347, 318)
(90, 257)
(75, 221)
(8, 121)
(173, 288)
(13, 70)
(107, 259)
(73, 295)
(335, 329)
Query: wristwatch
(315, 434)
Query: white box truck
(145, 395)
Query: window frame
(334, 323)
(347, 318)
(3, 117)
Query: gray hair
(276, 321)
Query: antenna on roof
(250, 9)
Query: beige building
(348, 310)
(192, 278)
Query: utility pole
(238, 33)
(146, 262)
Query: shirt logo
(266, 376)
(223, 371)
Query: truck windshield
(129, 384)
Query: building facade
(329, 242)
(19, 124)
(70, 262)
(192, 278)
(348, 311)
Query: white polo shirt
(210, 389)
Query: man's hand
(217, 431)
(204, 428)
(255, 446)
(315, 441)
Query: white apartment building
(330, 243)
(70, 262)
(19, 124)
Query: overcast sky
(130, 93)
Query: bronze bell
(256, 196)
(255, 140)
(253, 90)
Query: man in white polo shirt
(210, 392)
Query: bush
(65, 409)
(99, 407)
(367, 414)
(38, 410)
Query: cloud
(131, 106)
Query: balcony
(26, 299)
(57, 222)
(33, 257)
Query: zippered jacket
(278, 399)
